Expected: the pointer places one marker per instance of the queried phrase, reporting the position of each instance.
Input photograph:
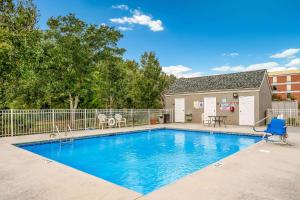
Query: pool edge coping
(44, 141)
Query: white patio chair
(119, 120)
(103, 121)
(205, 119)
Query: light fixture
(235, 95)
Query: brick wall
(295, 78)
(281, 85)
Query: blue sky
(197, 37)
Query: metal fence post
(149, 117)
(53, 119)
(85, 119)
(132, 118)
(11, 122)
(95, 118)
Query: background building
(285, 84)
(243, 97)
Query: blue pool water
(147, 160)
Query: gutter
(215, 91)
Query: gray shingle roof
(241, 80)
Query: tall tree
(72, 64)
(131, 84)
(75, 52)
(20, 53)
(152, 82)
(110, 88)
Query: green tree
(109, 89)
(75, 55)
(20, 53)
(130, 82)
(72, 64)
(167, 80)
(152, 82)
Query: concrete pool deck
(262, 171)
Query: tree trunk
(73, 101)
(73, 106)
(162, 100)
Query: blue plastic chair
(276, 127)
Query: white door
(210, 107)
(246, 110)
(179, 110)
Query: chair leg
(283, 138)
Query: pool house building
(243, 98)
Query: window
(274, 79)
(288, 87)
(274, 87)
(289, 95)
(288, 78)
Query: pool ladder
(65, 139)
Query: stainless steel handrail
(58, 133)
(259, 122)
(71, 132)
(70, 139)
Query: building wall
(265, 99)
(280, 87)
(296, 78)
(232, 117)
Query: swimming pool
(144, 161)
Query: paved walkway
(262, 171)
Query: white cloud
(176, 69)
(181, 71)
(190, 75)
(288, 53)
(124, 28)
(141, 19)
(270, 66)
(239, 68)
(275, 69)
(120, 7)
(226, 68)
(233, 54)
(267, 65)
(294, 63)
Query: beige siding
(265, 99)
(233, 117)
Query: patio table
(218, 119)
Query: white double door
(210, 107)
(246, 110)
